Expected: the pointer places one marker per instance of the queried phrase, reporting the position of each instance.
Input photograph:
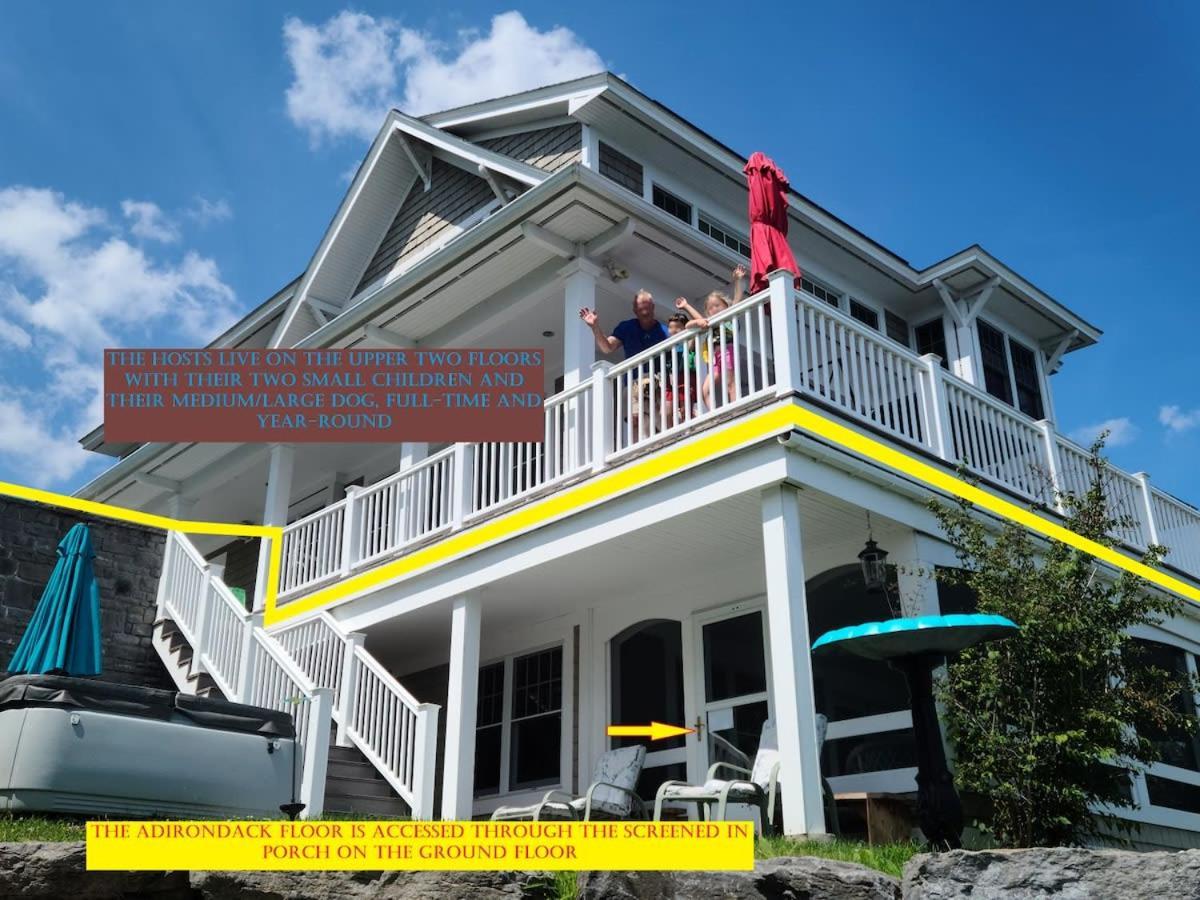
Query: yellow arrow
(656, 731)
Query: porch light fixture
(873, 560)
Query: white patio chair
(612, 794)
(760, 788)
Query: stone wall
(128, 562)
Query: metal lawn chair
(612, 794)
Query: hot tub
(76, 745)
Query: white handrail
(776, 342)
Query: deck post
(203, 614)
(463, 474)
(791, 662)
(785, 332)
(458, 766)
(351, 530)
(579, 345)
(1143, 480)
(248, 659)
(316, 753)
(940, 440)
(425, 768)
(1053, 466)
(275, 512)
(602, 414)
(346, 700)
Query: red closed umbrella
(769, 248)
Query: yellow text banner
(368, 845)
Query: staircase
(384, 759)
(354, 785)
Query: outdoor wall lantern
(873, 560)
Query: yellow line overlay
(707, 447)
(109, 511)
(671, 460)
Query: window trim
(565, 713)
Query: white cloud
(149, 222)
(1176, 420)
(87, 287)
(513, 57)
(350, 69)
(43, 453)
(1120, 430)
(72, 284)
(13, 335)
(205, 211)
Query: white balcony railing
(776, 343)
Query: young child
(681, 376)
(720, 359)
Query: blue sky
(166, 167)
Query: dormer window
(1010, 370)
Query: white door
(732, 672)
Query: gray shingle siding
(549, 149)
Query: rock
(1063, 873)
(791, 877)
(382, 885)
(59, 870)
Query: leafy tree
(1047, 724)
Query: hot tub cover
(20, 691)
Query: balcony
(654, 399)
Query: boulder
(44, 869)
(791, 877)
(382, 885)
(1063, 873)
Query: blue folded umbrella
(63, 636)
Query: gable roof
(399, 156)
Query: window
(896, 327)
(821, 292)
(1177, 748)
(1025, 375)
(995, 362)
(668, 202)
(723, 235)
(1010, 369)
(519, 711)
(931, 338)
(864, 314)
(618, 167)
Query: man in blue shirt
(635, 335)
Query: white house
(499, 604)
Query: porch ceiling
(699, 561)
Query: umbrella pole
(939, 809)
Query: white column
(458, 763)
(275, 511)
(785, 332)
(579, 344)
(791, 663)
(411, 453)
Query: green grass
(887, 858)
(38, 828)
